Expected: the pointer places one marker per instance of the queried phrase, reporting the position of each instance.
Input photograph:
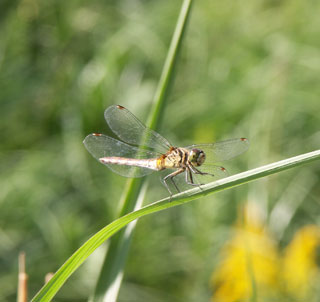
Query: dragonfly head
(197, 157)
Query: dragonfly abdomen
(144, 163)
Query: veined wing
(129, 129)
(221, 151)
(100, 145)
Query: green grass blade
(106, 287)
(60, 277)
(167, 75)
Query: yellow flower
(300, 269)
(250, 265)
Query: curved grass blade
(60, 277)
(109, 280)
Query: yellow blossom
(249, 264)
(252, 266)
(299, 262)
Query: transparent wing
(100, 145)
(216, 172)
(129, 129)
(222, 151)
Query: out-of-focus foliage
(247, 69)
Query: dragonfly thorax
(197, 157)
(177, 158)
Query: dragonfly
(141, 151)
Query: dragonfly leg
(190, 180)
(170, 176)
(196, 171)
(167, 187)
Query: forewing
(100, 145)
(224, 150)
(129, 129)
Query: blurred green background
(247, 69)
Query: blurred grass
(247, 70)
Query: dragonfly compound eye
(197, 157)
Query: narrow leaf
(60, 277)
